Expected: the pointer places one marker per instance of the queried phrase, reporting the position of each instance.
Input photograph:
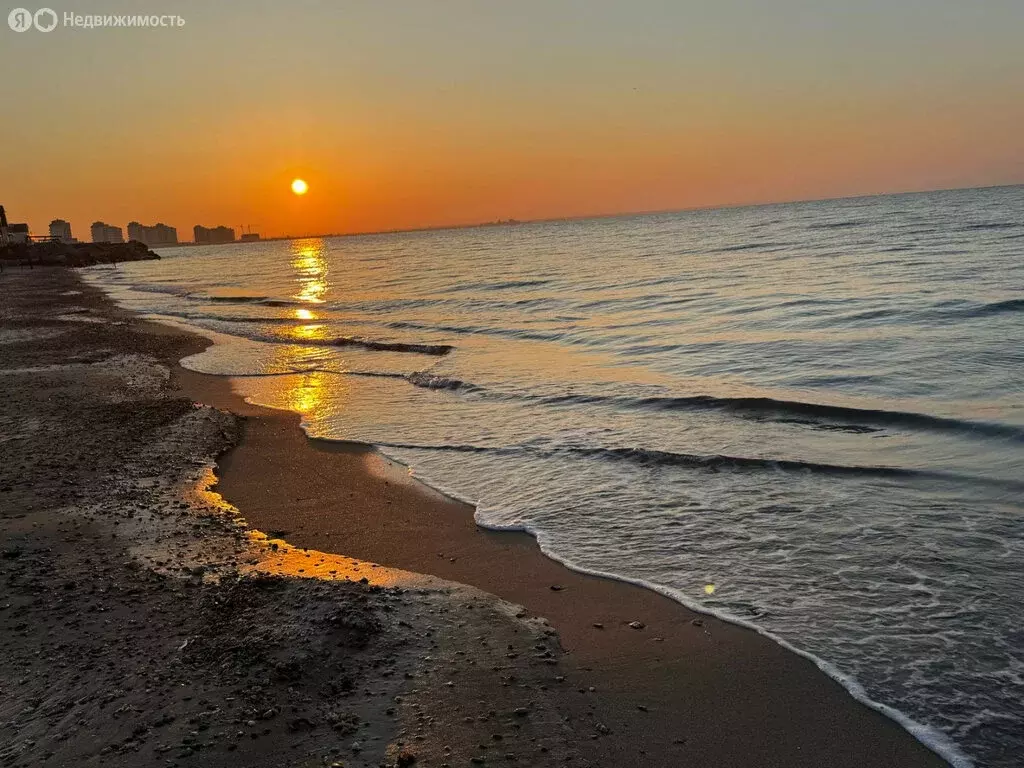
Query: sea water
(807, 418)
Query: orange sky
(406, 115)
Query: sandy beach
(147, 622)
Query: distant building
(105, 233)
(61, 230)
(207, 236)
(158, 234)
(249, 237)
(17, 233)
(11, 233)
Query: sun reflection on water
(306, 394)
(309, 261)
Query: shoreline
(144, 622)
(481, 679)
(710, 668)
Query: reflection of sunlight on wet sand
(305, 394)
(310, 264)
(279, 558)
(262, 554)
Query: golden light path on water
(310, 264)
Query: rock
(636, 625)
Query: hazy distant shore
(107, 521)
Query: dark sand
(683, 690)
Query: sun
(299, 187)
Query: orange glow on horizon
(622, 110)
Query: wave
(229, 299)
(513, 284)
(991, 225)
(840, 224)
(767, 407)
(265, 301)
(717, 462)
(814, 415)
(437, 350)
(392, 346)
(995, 308)
(167, 290)
(434, 381)
(511, 333)
(751, 247)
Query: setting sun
(299, 187)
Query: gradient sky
(433, 112)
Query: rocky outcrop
(53, 253)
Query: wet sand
(681, 689)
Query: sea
(806, 418)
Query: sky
(441, 112)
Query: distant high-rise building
(12, 233)
(158, 234)
(105, 233)
(205, 235)
(61, 230)
(18, 233)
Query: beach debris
(698, 622)
(598, 625)
(557, 587)
(637, 625)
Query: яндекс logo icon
(22, 19)
(19, 19)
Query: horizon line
(609, 215)
(605, 215)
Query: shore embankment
(52, 253)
